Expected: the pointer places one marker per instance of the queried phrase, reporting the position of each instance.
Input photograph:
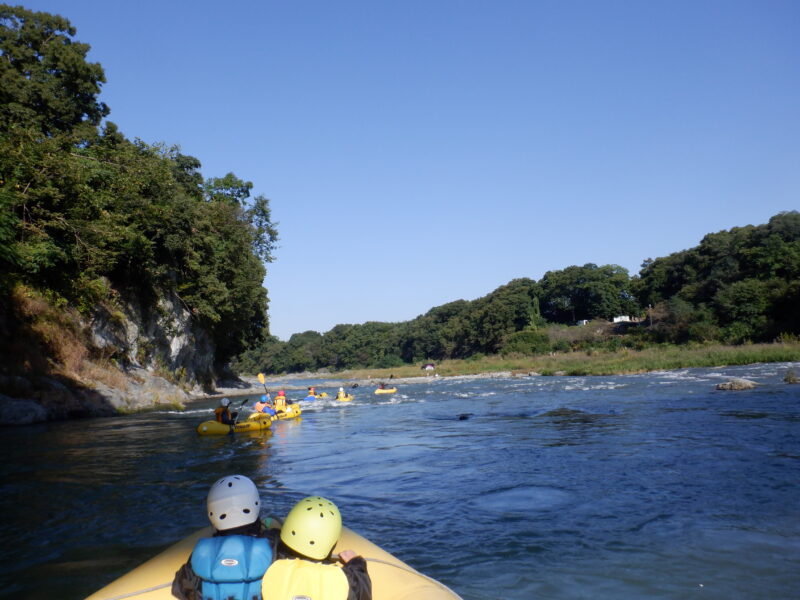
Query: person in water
(231, 563)
(223, 413)
(340, 394)
(264, 405)
(306, 566)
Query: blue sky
(420, 152)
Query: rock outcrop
(162, 337)
(142, 357)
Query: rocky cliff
(122, 357)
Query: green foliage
(85, 211)
(46, 84)
(527, 342)
(9, 257)
(587, 292)
(738, 285)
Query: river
(635, 486)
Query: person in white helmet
(232, 562)
(223, 413)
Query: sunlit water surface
(651, 485)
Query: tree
(82, 208)
(587, 292)
(742, 279)
(45, 81)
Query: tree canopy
(737, 285)
(85, 210)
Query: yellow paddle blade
(261, 377)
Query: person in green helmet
(306, 566)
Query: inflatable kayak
(292, 410)
(392, 579)
(385, 390)
(254, 423)
(345, 398)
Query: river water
(635, 486)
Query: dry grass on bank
(50, 340)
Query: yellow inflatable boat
(292, 411)
(345, 398)
(392, 579)
(386, 390)
(254, 423)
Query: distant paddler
(264, 405)
(382, 389)
(313, 395)
(223, 414)
(280, 401)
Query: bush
(526, 342)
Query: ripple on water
(521, 500)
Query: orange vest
(219, 411)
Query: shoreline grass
(619, 362)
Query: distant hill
(735, 286)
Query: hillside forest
(90, 219)
(735, 287)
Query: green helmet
(312, 527)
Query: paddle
(261, 379)
(238, 412)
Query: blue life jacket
(231, 566)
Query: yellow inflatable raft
(254, 423)
(385, 390)
(392, 579)
(292, 411)
(345, 398)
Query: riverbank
(141, 390)
(620, 362)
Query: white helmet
(341, 390)
(225, 402)
(233, 501)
